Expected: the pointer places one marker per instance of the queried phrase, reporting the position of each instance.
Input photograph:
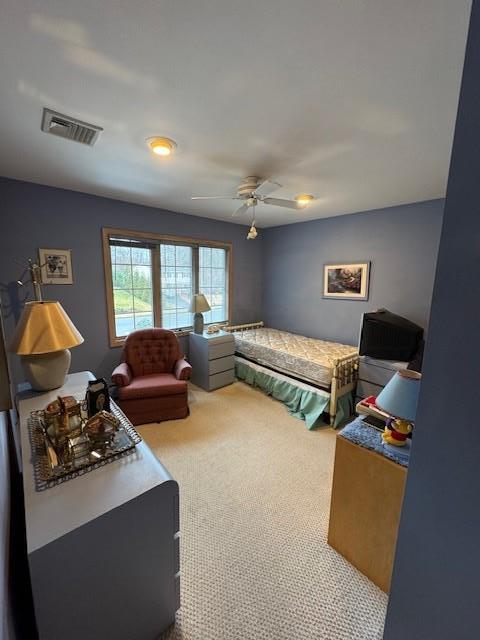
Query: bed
(322, 365)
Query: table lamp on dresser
(198, 305)
(43, 338)
(399, 398)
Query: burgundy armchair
(152, 379)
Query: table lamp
(42, 338)
(198, 305)
(399, 398)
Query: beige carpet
(255, 494)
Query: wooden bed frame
(344, 377)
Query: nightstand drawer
(221, 364)
(221, 350)
(221, 379)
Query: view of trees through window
(184, 269)
(132, 288)
(212, 282)
(176, 285)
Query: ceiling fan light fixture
(161, 146)
(304, 199)
(252, 232)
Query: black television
(386, 336)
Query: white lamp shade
(199, 304)
(399, 397)
(44, 327)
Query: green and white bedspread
(301, 399)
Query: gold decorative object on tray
(66, 443)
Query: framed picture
(346, 281)
(56, 266)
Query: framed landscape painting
(346, 281)
(56, 266)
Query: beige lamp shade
(44, 327)
(199, 304)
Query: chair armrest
(122, 375)
(182, 370)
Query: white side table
(103, 548)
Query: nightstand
(212, 358)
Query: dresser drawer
(221, 364)
(221, 379)
(366, 389)
(221, 350)
(375, 374)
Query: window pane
(184, 277)
(184, 256)
(122, 276)
(184, 320)
(205, 256)
(218, 258)
(142, 299)
(142, 277)
(176, 281)
(218, 277)
(124, 324)
(123, 255)
(141, 256)
(132, 289)
(213, 282)
(143, 320)
(167, 254)
(122, 300)
(205, 278)
(169, 320)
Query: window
(176, 284)
(150, 281)
(212, 268)
(132, 287)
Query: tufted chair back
(151, 351)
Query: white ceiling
(353, 101)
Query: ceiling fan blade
(240, 210)
(279, 202)
(215, 198)
(266, 187)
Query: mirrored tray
(47, 476)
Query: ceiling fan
(253, 190)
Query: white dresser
(103, 548)
(373, 375)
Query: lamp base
(198, 323)
(48, 370)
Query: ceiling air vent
(70, 128)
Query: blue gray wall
(33, 216)
(435, 584)
(401, 243)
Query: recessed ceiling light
(162, 146)
(304, 199)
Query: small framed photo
(346, 281)
(56, 266)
